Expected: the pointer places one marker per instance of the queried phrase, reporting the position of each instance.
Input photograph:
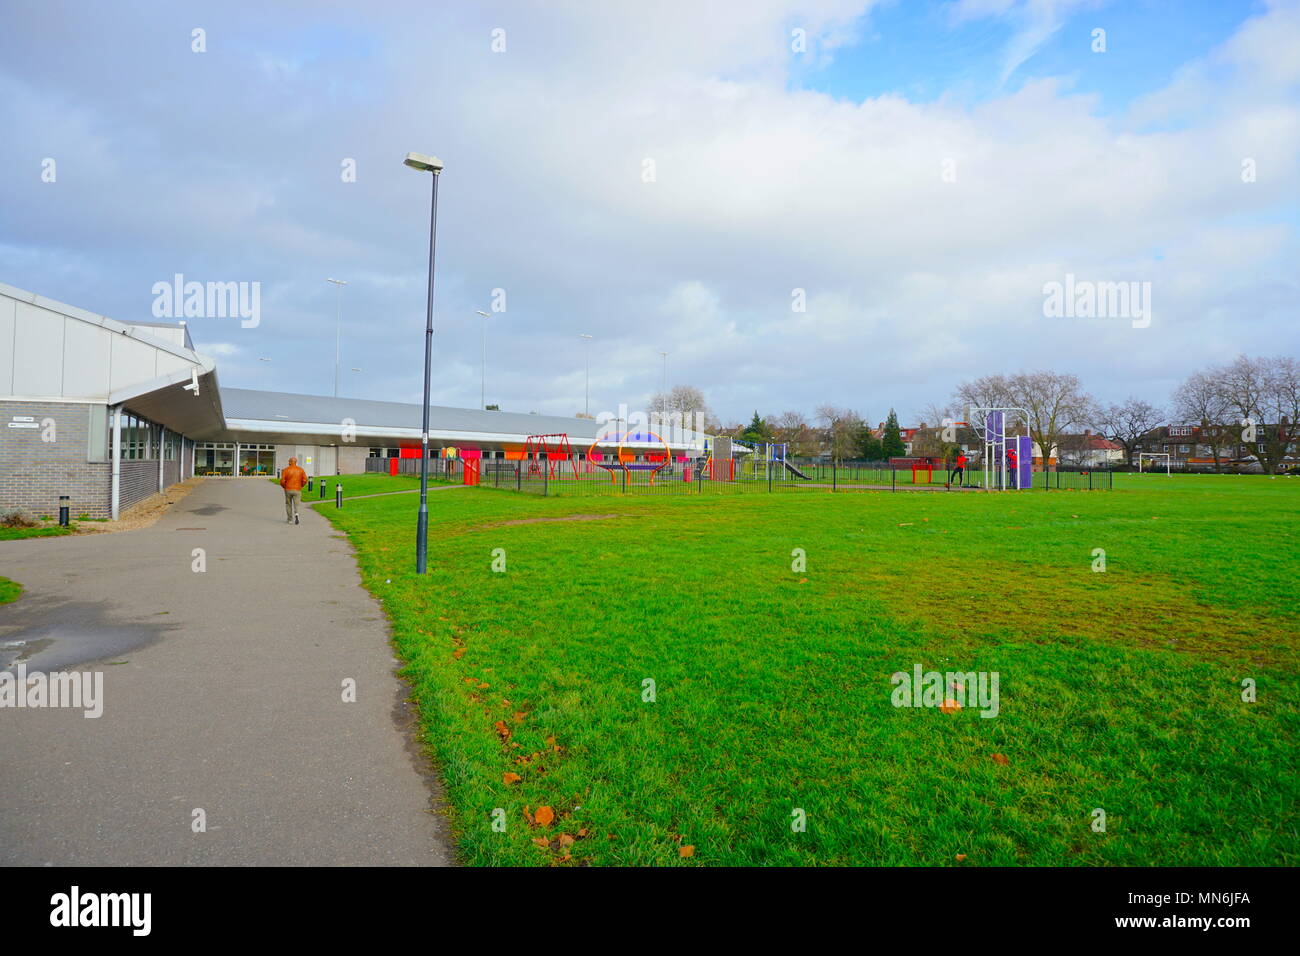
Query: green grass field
(9, 590)
(48, 531)
(1119, 690)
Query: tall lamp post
(429, 164)
(663, 411)
(586, 392)
(338, 331)
(482, 395)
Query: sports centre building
(109, 412)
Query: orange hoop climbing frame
(627, 459)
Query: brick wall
(33, 472)
(139, 479)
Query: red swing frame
(535, 446)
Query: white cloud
(912, 282)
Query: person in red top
(959, 472)
(292, 480)
(1012, 471)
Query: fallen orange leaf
(686, 852)
(950, 706)
(502, 729)
(960, 857)
(544, 843)
(1000, 759)
(565, 839)
(544, 816)
(511, 778)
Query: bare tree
(841, 429)
(686, 401)
(1128, 422)
(793, 429)
(1201, 401)
(991, 391)
(1265, 394)
(1056, 405)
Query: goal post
(1154, 455)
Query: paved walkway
(223, 691)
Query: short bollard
(323, 483)
(64, 509)
(338, 494)
(309, 481)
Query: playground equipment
(625, 459)
(768, 461)
(922, 466)
(539, 447)
(1008, 460)
(1154, 454)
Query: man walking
(292, 480)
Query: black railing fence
(438, 467)
(696, 477)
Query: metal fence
(679, 478)
(438, 467)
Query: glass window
(256, 459)
(214, 458)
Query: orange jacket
(293, 478)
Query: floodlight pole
(433, 165)
(338, 330)
(664, 390)
(586, 392)
(482, 396)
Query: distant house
(927, 440)
(1193, 447)
(1087, 450)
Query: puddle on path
(47, 634)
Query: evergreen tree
(869, 446)
(892, 443)
(757, 430)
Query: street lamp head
(337, 281)
(583, 335)
(431, 164)
(482, 313)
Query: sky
(829, 201)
